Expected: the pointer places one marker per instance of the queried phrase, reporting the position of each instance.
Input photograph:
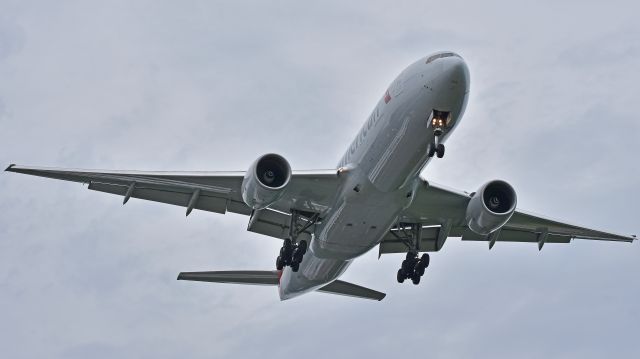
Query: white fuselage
(381, 168)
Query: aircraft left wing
(208, 191)
(441, 212)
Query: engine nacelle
(491, 207)
(265, 181)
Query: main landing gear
(413, 267)
(291, 254)
(292, 251)
(438, 123)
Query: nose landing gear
(292, 253)
(438, 123)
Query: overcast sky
(206, 85)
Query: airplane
(374, 197)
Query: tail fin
(273, 277)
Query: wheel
(279, 264)
(302, 246)
(287, 248)
(295, 266)
(425, 259)
(419, 268)
(403, 266)
(407, 265)
(297, 255)
(431, 151)
(401, 275)
(410, 256)
(440, 150)
(415, 279)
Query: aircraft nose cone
(456, 74)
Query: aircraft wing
(442, 211)
(208, 191)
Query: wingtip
(10, 167)
(180, 276)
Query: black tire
(295, 266)
(407, 265)
(401, 275)
(302, 246)
(425, 259)
(440, 150)
(419, 268)
(279, 263)
(410, 256)
(297, 255)
(431, 151)
(415, 279)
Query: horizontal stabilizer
(352, 290)
(260, 277)
(255, 277)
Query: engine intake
(491, 207)
(266, 180)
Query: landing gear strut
(438, 123)
(292, 252)
(413, 267)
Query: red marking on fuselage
(387, 97)
(279, 277)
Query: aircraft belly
(353, 229)
(401, 147)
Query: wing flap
(524, 220)
(507, 234)
(175, 197)
(274, 224)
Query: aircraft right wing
(441, 212)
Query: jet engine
(266, 180)
(491, 207)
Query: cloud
(211, 86)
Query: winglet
(10, 166)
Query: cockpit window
(442, 55)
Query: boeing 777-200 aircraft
(374, 197)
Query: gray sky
(204, 85)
